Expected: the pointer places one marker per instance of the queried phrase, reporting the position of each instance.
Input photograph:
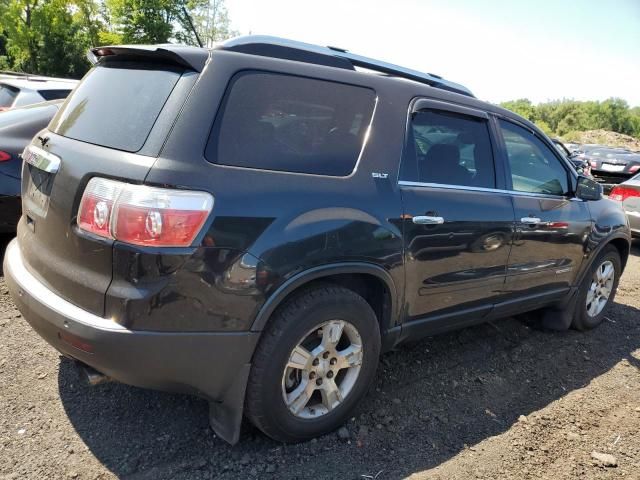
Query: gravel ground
(502, 400)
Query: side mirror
(588, 189)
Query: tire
(583, 318)
(303, 320)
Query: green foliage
(566, 117)
(47, 37)
(211, 20)
(144, 21)
(51, 37)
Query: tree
(522, 107)
(563, 117)
(143, 21)
(47, 37)
(51, 37)
(211, 20)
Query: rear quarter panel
(290, 222)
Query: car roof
(196, 58)
(39, 83)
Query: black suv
(255, 224)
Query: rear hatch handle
(41, 159)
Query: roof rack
(332, 56)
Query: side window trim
(500, 161)
(418, 104)
(505, 160)
(259, 71)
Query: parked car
(611, 166)
(628, 193)
(572, 147)
(581, 165)
(17, 128)
(259, 232)
(19, 91)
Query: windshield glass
(7, 95)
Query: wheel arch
(623, 246)
(620, 242)
(370, 281)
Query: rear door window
(287, 123)
(117, 105)
(448, 148)
(8, 95)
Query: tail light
(143, 215)
(620, 193)
(594, 164)
(634, 169)
(4, 156)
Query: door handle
(427, 220)
(530, 220)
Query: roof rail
(332, 56)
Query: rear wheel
(315, 362)
(598, 290)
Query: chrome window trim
(365, 141)
(406, 183)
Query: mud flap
(225, 415)
(559, 318)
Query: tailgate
(113, 125)
(74, 265)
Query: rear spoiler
(193, 58)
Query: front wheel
(315, 362)
(598, 290)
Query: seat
(441, 164)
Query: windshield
(7, 95)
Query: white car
(21, 90)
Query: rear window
(116, 105)
(54, 94)
(287, 123)
(7, 95)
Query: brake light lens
(634, 169)
(143, 215)
(621, 193)
(4, 156)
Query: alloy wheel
(322, 369)
(600, 289)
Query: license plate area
(610, 167)
(38, 191)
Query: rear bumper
(634, 223)
(209, 364)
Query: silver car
(629, 194)
(22, 90)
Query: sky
(501, 50)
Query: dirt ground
(502, 400)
